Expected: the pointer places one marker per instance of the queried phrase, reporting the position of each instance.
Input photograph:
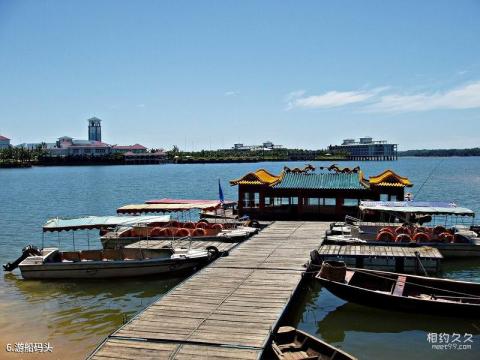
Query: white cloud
(231, 93)
(330, 99)
(294, 94)
(464, 97)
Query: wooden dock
(228, 309)
(387, 258)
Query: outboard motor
(27, 251)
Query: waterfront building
(123, 149)
(94, 129)
(66, 146)
(4, 142)
(367, 149)
(156, 157)
(266, 146)
(306, 194)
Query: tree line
(232, 155)
(441, 152)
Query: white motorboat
(50, 263)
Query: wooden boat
(401, 292)
(293, 344)
(50, 263)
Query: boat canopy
(416, 207)
(97, 222)
(214, 203)
(148, 208)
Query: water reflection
(350, 326)
(42, 290)
(77, 313)
(351, 317)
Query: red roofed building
(4, 142)
(135, 149)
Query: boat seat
(300, 355)
(91, 255)
(290, 346)
(69, 256)
(132, 254)
(399, 286)
(112, 255)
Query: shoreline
(205, 161)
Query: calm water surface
(75, 316)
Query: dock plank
(228, 309)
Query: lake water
(75, 316)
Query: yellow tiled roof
(389, 178)
(259, 177)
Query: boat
(201, 230)
(401, 292)
(120, 231)
(292, 344)
(50, 263)
(226, 229)
(442, 225)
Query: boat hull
(110, 269)
(387, 301)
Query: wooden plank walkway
(228, 309)
(222, 246)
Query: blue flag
(220, 192)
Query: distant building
(66, 146)
(4, 142)
(33, 146)
(94, 129)
(134, 149)
(156, 157)
(367, 149)
(267, 145)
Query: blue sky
(207, 74)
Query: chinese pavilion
(307, 194)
